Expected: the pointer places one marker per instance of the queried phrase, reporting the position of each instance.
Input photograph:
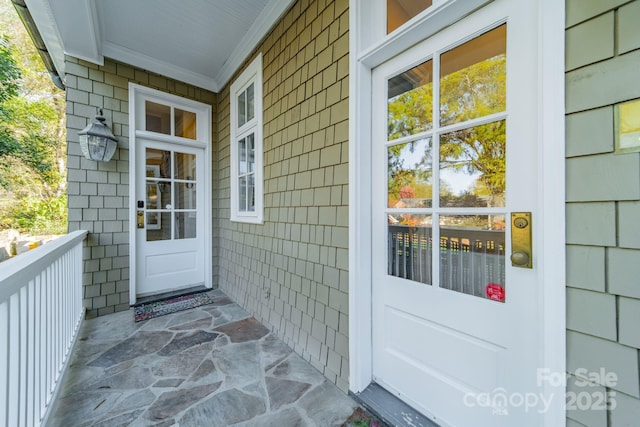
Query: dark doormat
(169, 305)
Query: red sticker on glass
(495, 292)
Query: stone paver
(210, 366)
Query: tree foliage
(475, 91)
(32, 135)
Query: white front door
(171, 193)
(171, 237)
(454, 151)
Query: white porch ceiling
(201, 42)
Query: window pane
(410, 175)
(242, 194)
(473, 166)
(185, 195)
(242, 156)
(157, 118)
(186, 225)
(473, 78)
(251, 193)
(185, 124)
(251, 153)
(242, 109)
(158, 226)
(409, 247)
(472, 255)
(401, 11)
(185, 165)
(410, 102)
(250, 103)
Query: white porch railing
(40, 314)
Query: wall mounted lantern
(97, 141)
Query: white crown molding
(131, 57)
(265, 21)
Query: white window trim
(252, 74)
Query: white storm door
(170, 219)
(455, 325)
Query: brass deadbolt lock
(520, 222)
(521, 249)
(140, 219)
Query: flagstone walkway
(209, 366)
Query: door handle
(140, 219)
(521, 248)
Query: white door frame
(369, 48)
(203, 141)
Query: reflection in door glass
(185, 225)
(158, 226)
(473, 166)
(410, 101)
(185, 165)
(401, 11)
(185, 124)
(409, 247)
(472, 255)
(410, 174)
(158, 163)
(473, 78)
(185, 195)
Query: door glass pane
(473, 78)
(185, 195)
(401, 11)
(165, 195)
(185, 124)
(472, 255)
(409, 247)
(158, 163)
(473, 166)
(250, 103)
(410, 102)
(157, 118)
(410, 174)
(158, 226)
(185, 165)
(154, 199)
(186, 225)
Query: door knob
(520, 258)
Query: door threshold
(171, 294)
(390, 409)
